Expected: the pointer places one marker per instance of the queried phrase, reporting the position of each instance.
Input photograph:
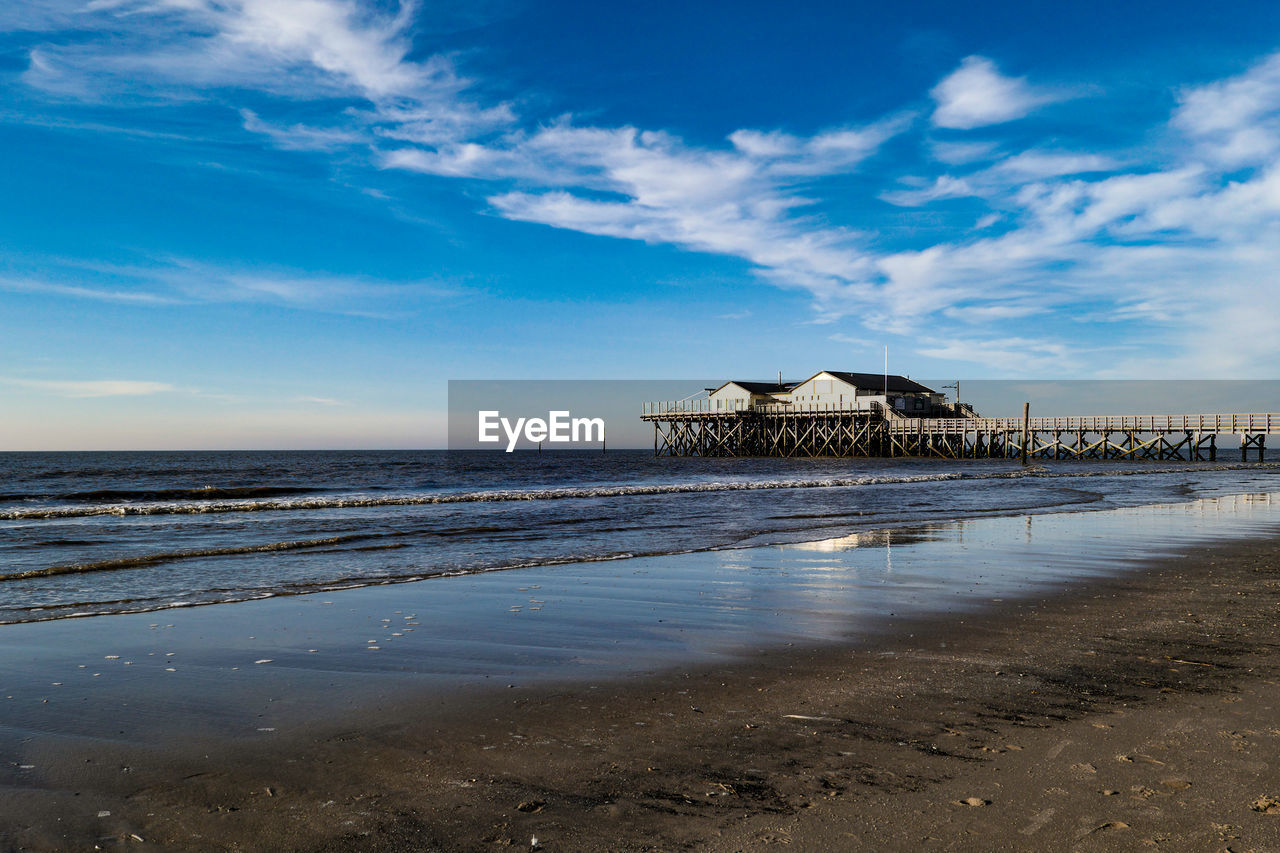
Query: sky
(288, 223)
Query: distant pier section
(836, 413)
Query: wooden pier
(693, 429)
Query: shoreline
(111, 564)
(767, 749)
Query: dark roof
(876, 382)
(761, 387)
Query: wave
(152, 559)
(202, 598)
(576, 492)
(760, 536)
(173, 494)
(201, 493)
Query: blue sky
(286, 223)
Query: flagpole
(886, 375)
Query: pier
(694, 428)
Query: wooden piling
(1026, 430)
(827, 430)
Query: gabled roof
(759, 387)
(876, 382)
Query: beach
(1125, 701)
(475, 426)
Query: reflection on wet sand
(225, 665)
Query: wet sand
(1132, 712)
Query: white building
(739, 396)
(835, 389)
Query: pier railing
(1252, 423)
(730, 407)
(695, 428)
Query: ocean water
(93, 533)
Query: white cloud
(737, 202)
(976, 95)
(961, 153)
(42, 16)
(350, 295)
(983, 314)
(1015, 354)
(180, 281)
(826, 153)
(296, 49)
(79, 292)
(300, 137)
(740, 199)
(1236, 121)
(1174, 242)
(1037, 165)
(215, 42)
(93, 387)
(943, 187)
(1001, 177)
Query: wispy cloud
(181, 281)
(1235, 121)
(301, 137)
(986, 314)
(1006, 174)
(1176, 242)
(976, 95)
(1029, 354)
(351, 295)
(1039, 164)
(740, 201)
(958, 153)
(92, 387)
(943, 186)
(76, 291)
(294, 49)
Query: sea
(92, 533)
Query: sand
(1135, 713)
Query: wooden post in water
(1026, 429)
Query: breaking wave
(152, 559)
(180, 494)
(566, 493)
